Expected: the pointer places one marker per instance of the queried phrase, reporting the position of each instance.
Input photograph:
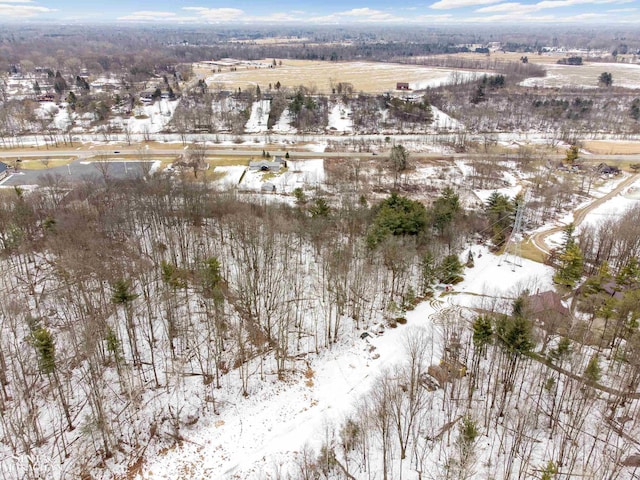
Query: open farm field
(545, 59)
(272, 40)
(586, 76)
(364, 76)
(609, 147)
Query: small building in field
(402, 86)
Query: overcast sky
(325, 12)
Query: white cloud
(516, 8)
(508, 7)
(450, 4)
(433, 18)
(215, 15)
(155, 16)
(17, 9)
(360, 15)
(516, 16)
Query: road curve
(539, 239)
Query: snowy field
(496, 278)
(231, 174)
(586, 76)
(305, 174)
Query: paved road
(245, 152)
(223, 151)
(539, 240)
(81, 168)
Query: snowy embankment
(442, 121)
(257, 122)
(450, 78)
(283, 125)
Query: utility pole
(513, 250)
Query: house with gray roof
(265, 166)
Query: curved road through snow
(539, 239)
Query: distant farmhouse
(402, 86)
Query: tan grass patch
(42, 163)
(603, 147)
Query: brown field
(603, 147)
(545, 59)
(364, 76)
(273, 41)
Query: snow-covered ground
(255, 437)
(283, 125)
(152, 118)
(304, 174)
(231, 174)
(259, 115)
(340, 118)
(615, 207)
(442, 121)
(450, 78)
(499, 277)
(57, 114)
(262, 434)
(586, 76)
